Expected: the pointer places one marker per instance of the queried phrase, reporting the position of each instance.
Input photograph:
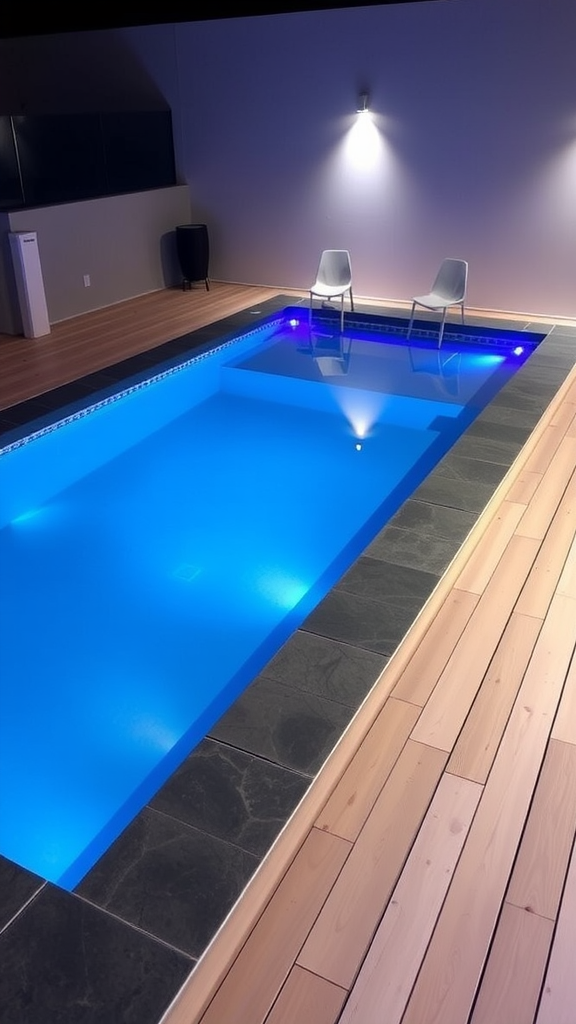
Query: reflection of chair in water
(331, 353)
(442, 367)
(449, 289)
(333, 279)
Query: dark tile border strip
(124, 941)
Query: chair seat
(328, 291)
(435, 301)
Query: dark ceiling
(24, 20)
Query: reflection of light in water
(361, 408)
(486, 359)
(282, 590)
(152, 732)
(363, 143)
(25, 517)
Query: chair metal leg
(411, 320)
(342, 313)
(441, 335)
(351, 301)
(462, 311)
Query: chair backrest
(335, 268)
(451, 280)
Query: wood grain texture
(564, 727)
(340, 936)
(306, 997)
(454, 961)
(445, 712)
(265, 961)
(510, 988)
(424, 668)
(542, 861)
(536, 519)
(481, 566)
(549, 564)
(353, 798)
(477, 744)
(390, 968)
(558, 1001)
(567, 581)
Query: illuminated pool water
(157, 550)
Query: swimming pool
(160, 547)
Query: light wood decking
(429, 875)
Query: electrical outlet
(86, 280)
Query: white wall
(475, 106)
(125, 244)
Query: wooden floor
(429, 875)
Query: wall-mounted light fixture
(362, 107)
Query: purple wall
(474, 102)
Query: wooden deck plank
(262, 966)
(446, 986)
(567, 581)
(542, 861)
(523, 486)
(353, 798)
(350, 916)
(483, 562)
(511, 984)
(424, 668)
(306, 997)
(545, 449)
(564, 727)
(450, 702)
(477, 744)
(542, 582)
(388, 972)
(558, 1001)
(540, 511)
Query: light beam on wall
(363, 144)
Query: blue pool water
(157, 550)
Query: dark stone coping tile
(452, 492)
(479, 448)
(416, 550)
(169, 880)
(17, 887)
(563, 331)
(232, 795)
(154, 900)
(362, 621)
(326, 668)
(67, 962)
(294, 729)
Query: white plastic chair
(333, 279)
(449, 289)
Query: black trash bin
(193, 253)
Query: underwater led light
(518, 350)
(362, 107)
(294, 323)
